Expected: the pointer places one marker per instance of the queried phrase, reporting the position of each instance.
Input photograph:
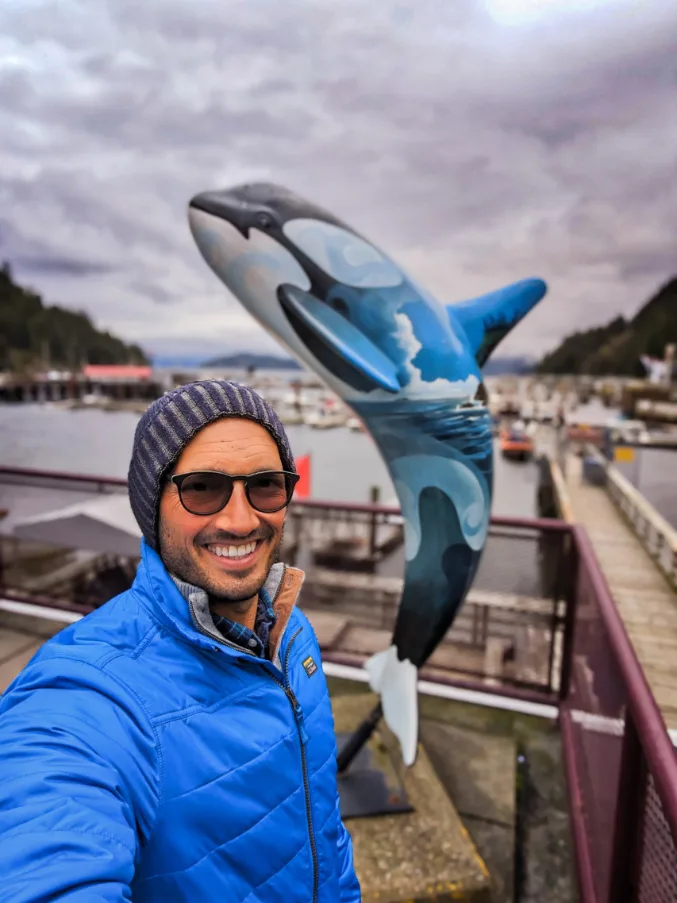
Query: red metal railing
(61, 479)
(519, 590)
(620, 763)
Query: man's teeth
(233, 551)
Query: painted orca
(409, 367)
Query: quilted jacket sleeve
(78, 785)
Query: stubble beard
(179, 562)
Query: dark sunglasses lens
(206, 493)
(269, 491)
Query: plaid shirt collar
(257, 640)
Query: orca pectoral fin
(344, 339)
(489, 318)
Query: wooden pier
(638, 570)
(94, 385)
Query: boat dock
(637, 552)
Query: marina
(347, 533)
(569, 621)
(348, 526)
(434, 659)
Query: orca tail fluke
(396, 681)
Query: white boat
(289, 414)
(329, 414)
(632, 432)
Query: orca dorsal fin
(488, 318)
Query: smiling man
(178, 743)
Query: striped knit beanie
(169, 424)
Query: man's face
(189, 543)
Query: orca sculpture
(406, 364)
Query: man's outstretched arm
(80, 777)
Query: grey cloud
(481, 151)
(133, 107)
(145, 288)
(647, 262)
(35, 257)
(80, 199)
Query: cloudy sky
(477, 141)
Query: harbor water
(344, 464)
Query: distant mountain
(504, 366)
(617, 347)
(246, 360)
(242, 361)
(167, 360)
(35, 337)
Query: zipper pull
(298, 714)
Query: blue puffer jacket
(143, 759)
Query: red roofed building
(126, 372)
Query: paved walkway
(645, 600)
(22, 635)
(16, 650)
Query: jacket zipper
(300, 726)
(303, 737)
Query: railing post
(628, 820)
(571, 595)
(561, 589)
(375, 495)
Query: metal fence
(61, 480)
(508, 633)
(656, 534)
(620, 762)
(541, 580)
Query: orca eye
(264, 220)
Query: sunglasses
(207, 491)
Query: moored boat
(515, 443)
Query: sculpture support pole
(357, 740)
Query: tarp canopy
(104, 525)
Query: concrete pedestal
(421, 855)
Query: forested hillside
(617, 347)
(34, 336)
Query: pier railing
(540, 591)
(61, 480)
(508, 635)
(657, 536)
(620, 763)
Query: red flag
(302, 490)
